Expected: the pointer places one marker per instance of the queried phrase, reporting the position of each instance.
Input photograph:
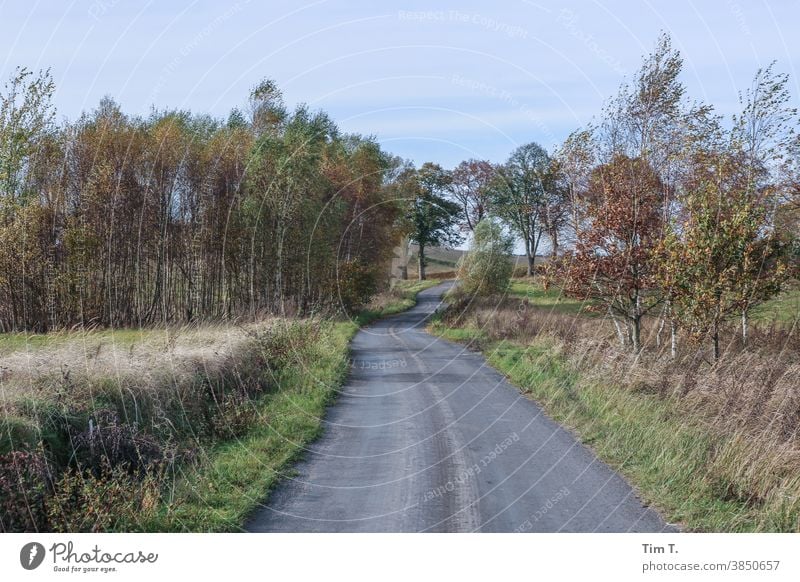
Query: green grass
(552, 298)
(783, 309)
(662, 453)
(237, 475)
(124, 337)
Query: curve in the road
(425, 436)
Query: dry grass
(121, 410)
(113, 354)
(753, 388)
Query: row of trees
(664, 207)
(120, 220)
(685, 215)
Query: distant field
(10, 342)
(783, 309)
(443, 260)
(551, 298)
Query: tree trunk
(531, 264)
(528, 246)
(745, 326)
(620, 335)
(673, 349)
(554, 243)
(636, 333)
(404, 272)
(661, 324)
(715, 328)
(715, 339)
(421, 257)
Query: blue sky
(440, 81)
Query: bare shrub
(118, 445)
(112, 499)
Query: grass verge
(235, 476)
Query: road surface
(426, 437)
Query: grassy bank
(164, 429)
(234, 476)
(713, 447)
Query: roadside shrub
(235, 416)
(17, 434)
(357, 284)
(282, 343)
(112, 499)
(486, 268)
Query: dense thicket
(119, 220)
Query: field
(443, 262)
(784, 309)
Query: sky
(435, 81)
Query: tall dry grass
(92, 426)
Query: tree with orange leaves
(615, 257)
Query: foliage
(430, 217)
(111, 499)
(573, 162)
(719, 261)
(521, 195)
(616, 258)
(118, 220)
(486, 268)
(25, 482)
(470, 186)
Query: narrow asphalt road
(425, 436)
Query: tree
(722, 258)
(26, 118)
(469, 186)
(762, 134)
(486, 268)
(574, 161)
(519, 196)
(27, 144)
(556, 206)
(650, 119)
(431, 218)
(787, 215)
(615, 258)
